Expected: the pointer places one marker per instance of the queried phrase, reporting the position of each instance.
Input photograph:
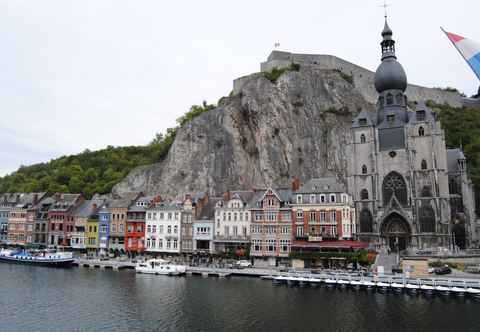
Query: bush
(275, 73)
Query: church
(410, 191)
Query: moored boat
(43, 258)
(161, 267)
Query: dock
(103, 264)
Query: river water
(78, 299)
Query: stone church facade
(409, 190)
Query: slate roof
(364, 115)
(208, 211)
(321, 185)
(85, 210)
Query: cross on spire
(385, 5)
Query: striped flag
(469, 49)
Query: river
(78, 299)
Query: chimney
(226, 196)
(57, 196)
(94, 207)
(35, 199)
(295, 184)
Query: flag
(469, 49)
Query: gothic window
(364, 194)
(389, 99)
(362, 138)
(381, 100)
(394, 185)
(421, 131)
(399, 99)
(366, 221)
(364, 169)
(426, 191)
(427, 219)
(424, 164)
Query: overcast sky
(87, 74)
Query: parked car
(443, 270)
(243, 264)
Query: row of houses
(267, 224)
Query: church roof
(363, 115)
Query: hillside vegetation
(93, 172)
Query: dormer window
(399, 99)
(322, 198)
(312, 199)
(381, 100)
(362, 122)
(389, 99)
(420, 115)
(299, 199)
(332, 199)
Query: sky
(85, 74)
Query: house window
(154, 228)
(362, 122)
(299, 231)
(175, 229)
(149, 229)
(227, 231)
(285, 245)
(271, 245)
(313, 216)
(424, 164)
(332, 198)
(299, 199)
(322, 216)
(299, 215)
(421, 131)
(312, 199)
(322, 198)
(362, 139)
(169, 229)
(160, 229)
(334, 216)
(364, 169)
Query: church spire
(388, 44)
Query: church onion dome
(390, 74)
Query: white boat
(460, 291)
(356, 284)
(368, 284)
(474, 292)
(397, 287)
(343, 283)
(427, 288)
(412, 287)
(442, 289)
(160, 266)
(331, 282)
(42, 258)
(383, 285)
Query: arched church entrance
(396, 232)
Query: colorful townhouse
(192, 207)
(163, 223)
(271, 229)
(91, 234)
(204, 228)
(40, 223)
(135, 231)
(118, 208)
(81, 215)
(60, 219)
(323, 219)
(103, 229)
(233, 221)
(7, 202)
(21, 219)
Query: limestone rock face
(264, 134)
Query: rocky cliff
(268, 132)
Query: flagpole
(471, 67)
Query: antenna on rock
(277, 45)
